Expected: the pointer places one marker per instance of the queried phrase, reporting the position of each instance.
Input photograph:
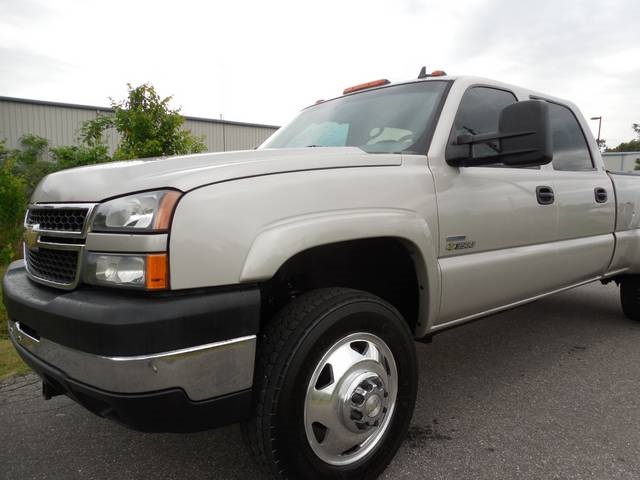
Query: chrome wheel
(350, 399)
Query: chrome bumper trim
(203, 371)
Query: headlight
(136, 271)
(142, 212)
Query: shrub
(12, 206)
(30, 161)
(77, 156)
(149, 128)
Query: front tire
(335, 387)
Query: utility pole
(224, 136)
(599, 127)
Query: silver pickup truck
(284, 287)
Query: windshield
(394, 119)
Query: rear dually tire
(630, 296)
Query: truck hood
(98, 182)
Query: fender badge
(459, 242)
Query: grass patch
(4, 334)
(10, 363)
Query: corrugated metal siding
(621, 161)
(228, 136)
(60, 124)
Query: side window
(479, 111)
(570, 149)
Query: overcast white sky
(261, 61)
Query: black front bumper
(119, 324)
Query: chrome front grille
(59, 266)
(67, 219)
(54, 240)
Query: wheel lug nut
(356, 415)
(357, 399)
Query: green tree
(20, 171)
(4, 152)
(92, 146)
(12, 204)
(149, 128)
(30, 162)
(79, 155)
(92, 133)
(602, 144)
(631, 145)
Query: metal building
(60, 124)
(621, 161)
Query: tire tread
(274, 348)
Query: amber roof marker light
(436, 73)
(364, 86)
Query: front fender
(243, 231)
(279, 241)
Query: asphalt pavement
(550, 390)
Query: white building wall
(621, 161)
(60, 124)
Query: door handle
(545, 195)
(601, 194)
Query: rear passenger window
(479, 112)
(570, 149)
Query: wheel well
(381, 266)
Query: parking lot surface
(550, 390)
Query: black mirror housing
(524, 133)
(523, 149)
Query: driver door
(495, 236)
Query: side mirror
(523, 139)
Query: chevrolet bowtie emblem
(31, 237)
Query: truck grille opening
(57, 266)
(58, 219)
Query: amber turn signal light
(157, 271)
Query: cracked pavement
(549, 390)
